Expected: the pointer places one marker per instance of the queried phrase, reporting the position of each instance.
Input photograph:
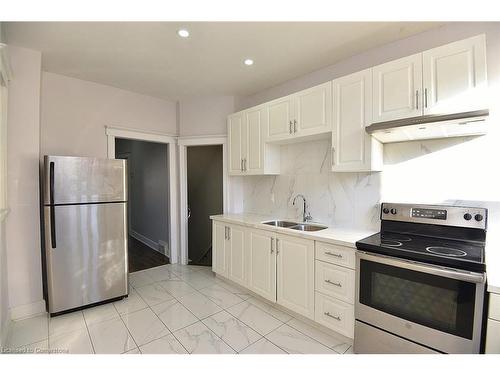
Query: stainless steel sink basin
(280, 223)
(308, 227)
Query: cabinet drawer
(494, 309)
(334, 314)
(335, 281)
(492, 337)
(343, 256)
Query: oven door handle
(474, 277)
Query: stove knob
(394, 211)
(385, 211)
(467, 216)
(478, 217)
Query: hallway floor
(141, 257)
(176, 309)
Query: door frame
(184, 143)
(171, 140)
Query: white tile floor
(176, 309)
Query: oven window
(433, 301)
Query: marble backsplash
(337, 199)
(455, 171)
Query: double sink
(295, 226)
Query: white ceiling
(149, 57)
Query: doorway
(205, 197)
(148, 204)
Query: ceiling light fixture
(248, 62)
(183, 33)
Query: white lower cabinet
(295, 260)
(220, 248)
(493, 325)
(334, 314)
(261, 263)
(236, 255)
(335, 281)
(311, 278)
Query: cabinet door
(352, 109)
(295, 273)
(313, 110)
(280, 118)
(455, 77)
(255, 152)
(220, 248)
(262, 263)
(235, 129)
(237, 264)
(397, 89)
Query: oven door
(432, 306)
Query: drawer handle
(333, 283)
(332, 316)
(333, 254)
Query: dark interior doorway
(205, 198)
(148, 208)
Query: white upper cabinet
(236, 137)
(255, 152)
(397, 89)
(280, 115)
(352, 148)
(295, 274)
(454, 77)
(248, 153)
(313, 110)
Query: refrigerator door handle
(52, 210)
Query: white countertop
(334, 235)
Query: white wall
(23, 223)
(204, 115)
(455, 171)
(74, 113)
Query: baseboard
(166, 247)
(28, 310)
(146, 241)
(4, 333)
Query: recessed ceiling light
(183, 33)
(248, 62)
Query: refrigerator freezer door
(69, 180)
(86, 254)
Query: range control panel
(469, 217)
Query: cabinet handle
(333, 254)
(272, 245)
(332, 316)
(228, 233)
(333, 283)
(225, 233)
(425, 98)
(241, 165)
(277, 246)
(295, 126)
(332, 155)
(416, 99)
(245, 164)
(290, 127)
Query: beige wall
(74, 113)
(205, 115)
(23, 224)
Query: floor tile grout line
(243, 323)
(126, 327)
(312, 338)
(88, 330)
(219, 337)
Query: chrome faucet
(306, 216)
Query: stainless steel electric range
(420, 281)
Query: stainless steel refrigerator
(85, 230)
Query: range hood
(430, 127)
